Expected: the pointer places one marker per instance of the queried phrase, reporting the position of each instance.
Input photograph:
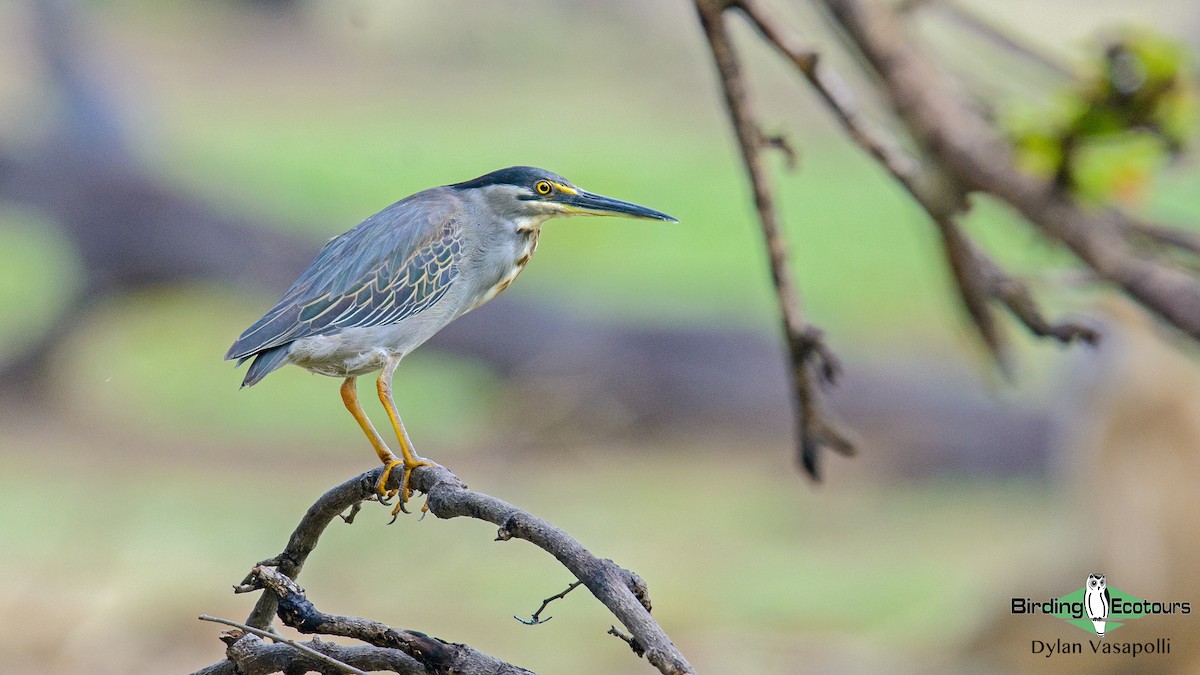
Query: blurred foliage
(1137, 106)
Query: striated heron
(379, 291)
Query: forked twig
(536, 618)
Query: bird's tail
(265, 362)
(1099, 628)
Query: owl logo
(1096, 601)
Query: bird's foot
(402, 495)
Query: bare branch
(964, 145)
(979, 280)
(621, 591)
(247, 654)
(344, 667)
(974, 289)
(839, 98)
(435, 655)
(1017, 298)
(810, 357)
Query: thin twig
(980, 279)
(345, 667)
(839, 98)
(1017, 298)
(536, 619)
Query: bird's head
(529, 196)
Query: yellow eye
(542, 187)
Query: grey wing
(381, 272)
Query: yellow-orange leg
(389, 459)
(410, 459)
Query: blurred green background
(137, 483)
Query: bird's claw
(400, 508)
(405, 492)
(381, 485)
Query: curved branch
(621, 591)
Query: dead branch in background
(621, 591)
(960, 153)
(962, 143)
(978, 278)
(812, 362)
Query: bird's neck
(530, 224)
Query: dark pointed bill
(599, 205)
